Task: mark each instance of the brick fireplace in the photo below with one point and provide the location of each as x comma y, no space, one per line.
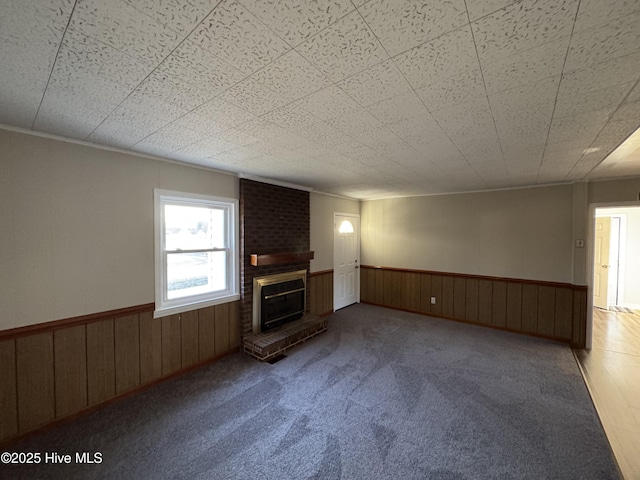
274,241
273,220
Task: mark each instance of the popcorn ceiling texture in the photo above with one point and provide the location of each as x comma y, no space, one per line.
365,99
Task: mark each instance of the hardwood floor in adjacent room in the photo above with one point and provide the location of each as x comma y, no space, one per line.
612,372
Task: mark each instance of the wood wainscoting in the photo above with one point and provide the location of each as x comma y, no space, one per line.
557,311
56,370
321,292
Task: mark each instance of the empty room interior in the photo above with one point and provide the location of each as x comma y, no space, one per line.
320,239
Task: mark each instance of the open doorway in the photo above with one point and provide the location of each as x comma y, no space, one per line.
615,281
616,258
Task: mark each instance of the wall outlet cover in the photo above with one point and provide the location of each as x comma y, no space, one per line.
433,300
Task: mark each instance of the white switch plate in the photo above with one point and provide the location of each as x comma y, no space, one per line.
433,300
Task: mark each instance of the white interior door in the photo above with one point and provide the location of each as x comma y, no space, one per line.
346,264
601,262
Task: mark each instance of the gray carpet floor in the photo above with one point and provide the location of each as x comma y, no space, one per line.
382,395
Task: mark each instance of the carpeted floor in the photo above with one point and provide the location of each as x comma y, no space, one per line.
382,395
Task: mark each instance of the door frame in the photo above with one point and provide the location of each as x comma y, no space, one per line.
335,233
616,234
591,257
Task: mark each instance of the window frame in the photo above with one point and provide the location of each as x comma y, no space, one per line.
165,306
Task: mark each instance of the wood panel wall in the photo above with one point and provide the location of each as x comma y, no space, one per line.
552,310
58,369
321,292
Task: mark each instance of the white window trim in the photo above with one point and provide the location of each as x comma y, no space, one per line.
166,307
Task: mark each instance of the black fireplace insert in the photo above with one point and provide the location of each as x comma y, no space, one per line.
281,303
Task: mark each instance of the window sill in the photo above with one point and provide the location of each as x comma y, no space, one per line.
187,307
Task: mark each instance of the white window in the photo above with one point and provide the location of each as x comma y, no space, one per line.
197,263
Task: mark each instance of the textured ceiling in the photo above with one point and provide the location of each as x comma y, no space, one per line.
365,99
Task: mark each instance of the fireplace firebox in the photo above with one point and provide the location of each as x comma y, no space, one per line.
281,303
278,299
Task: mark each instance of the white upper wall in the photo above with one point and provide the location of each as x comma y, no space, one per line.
77,226
523,233
322,207
615,191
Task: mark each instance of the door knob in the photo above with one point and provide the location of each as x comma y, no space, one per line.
605,266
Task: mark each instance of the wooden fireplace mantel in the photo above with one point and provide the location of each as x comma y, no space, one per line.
280,258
